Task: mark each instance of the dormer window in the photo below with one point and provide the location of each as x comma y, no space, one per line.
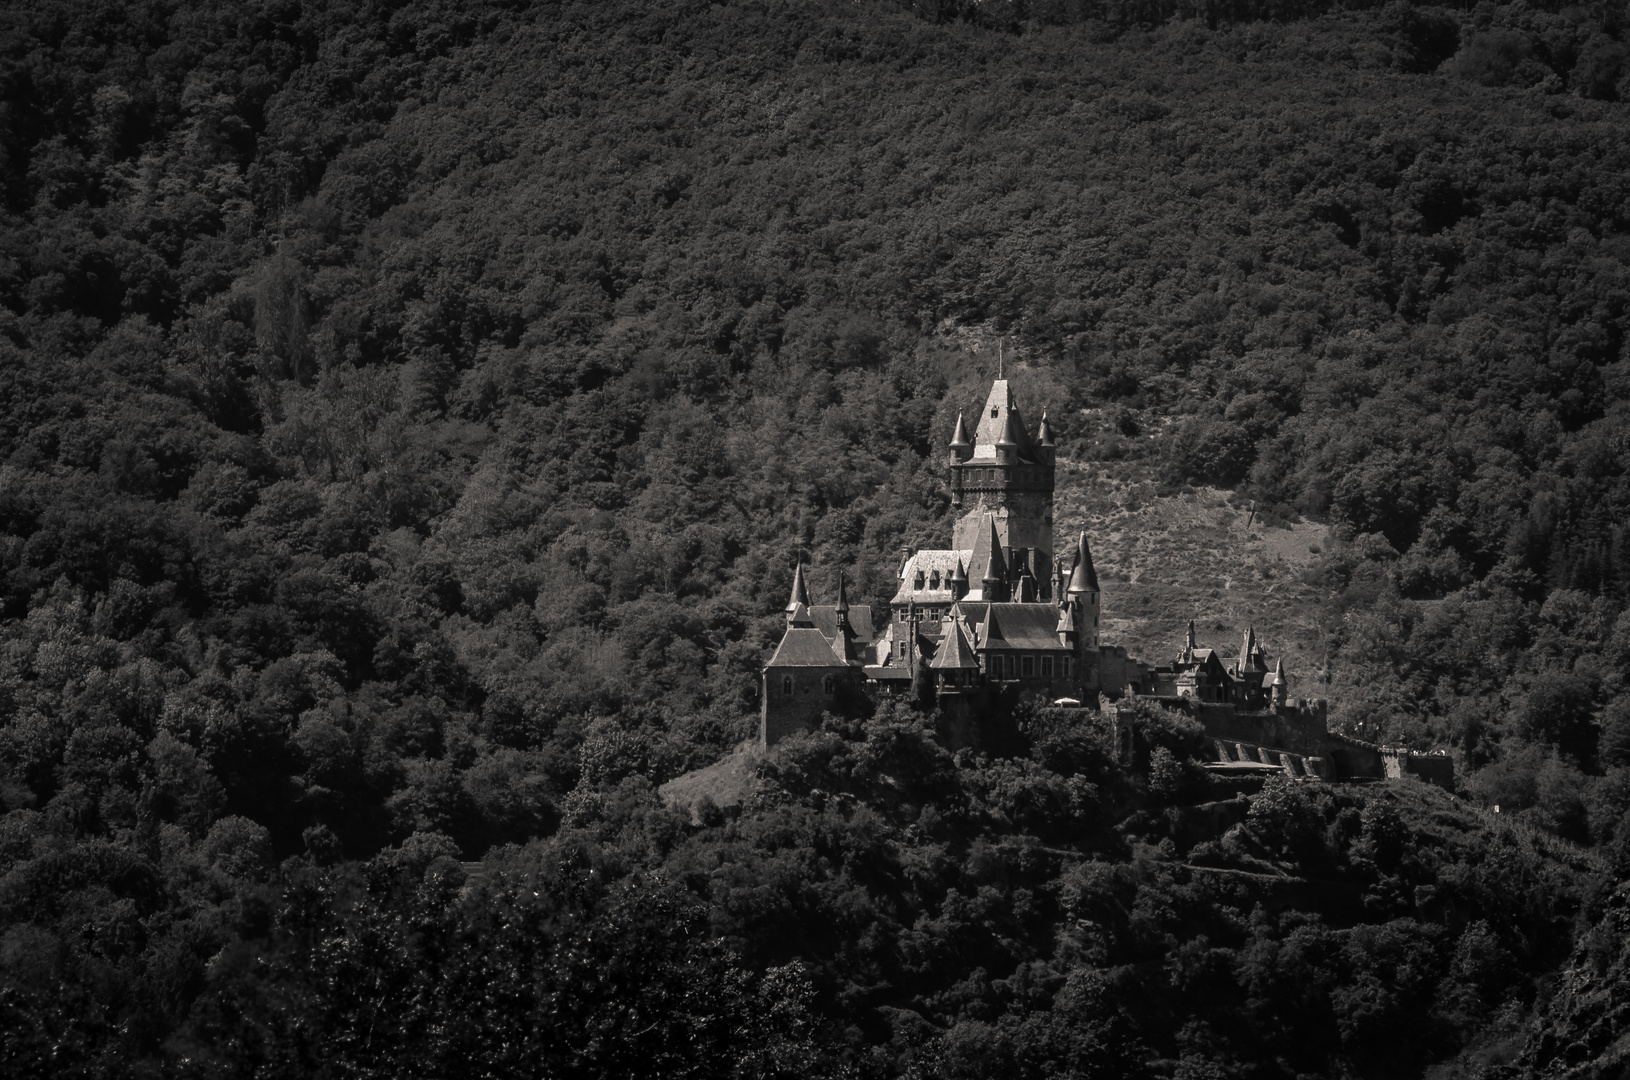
993,414
934,580
918,581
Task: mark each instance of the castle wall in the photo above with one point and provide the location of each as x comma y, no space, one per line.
782,715
1116,671
1436,769
1300,729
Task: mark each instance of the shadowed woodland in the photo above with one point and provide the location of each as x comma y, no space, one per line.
410,415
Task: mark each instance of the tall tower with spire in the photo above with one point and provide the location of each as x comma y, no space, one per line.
1006,473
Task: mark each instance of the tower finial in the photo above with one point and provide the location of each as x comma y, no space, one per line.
999,360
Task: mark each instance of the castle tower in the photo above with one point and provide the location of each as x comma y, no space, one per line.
1002,472
1279,686
1079,612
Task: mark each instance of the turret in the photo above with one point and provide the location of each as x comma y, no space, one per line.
961,445
1044,440
959,581
845,630
1279,686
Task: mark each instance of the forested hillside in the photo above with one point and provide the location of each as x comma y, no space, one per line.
410,415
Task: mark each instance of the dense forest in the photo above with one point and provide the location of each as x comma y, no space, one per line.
410,415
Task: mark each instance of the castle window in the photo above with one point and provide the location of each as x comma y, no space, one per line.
1047,667
786,686
1029,665
826,684
993,414
917,582
934,580
1007,666
1064,667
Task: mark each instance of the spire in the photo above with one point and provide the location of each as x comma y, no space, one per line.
994,572
1084,578
985,562
991,631
959,438
843,598
1044,433
959,580
1247,649
1279,685
800,591
1188,642
1010,437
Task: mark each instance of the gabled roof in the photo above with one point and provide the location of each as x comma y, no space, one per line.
805,647
1022,626
825,619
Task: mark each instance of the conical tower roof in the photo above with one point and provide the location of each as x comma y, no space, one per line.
800,591
1084,578
959,438
1044,433
1278,676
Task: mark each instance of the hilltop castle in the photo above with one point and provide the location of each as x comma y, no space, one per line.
997,615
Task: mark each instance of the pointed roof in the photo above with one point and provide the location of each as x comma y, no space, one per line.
1084,577
805,646
798,615
959,438
1188,642
1044,434
1000,423
1248,650
961,574
955,653
1066,619
842,606
986,559
800,591
1278,676
991,631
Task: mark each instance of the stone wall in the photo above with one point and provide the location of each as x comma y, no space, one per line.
781,715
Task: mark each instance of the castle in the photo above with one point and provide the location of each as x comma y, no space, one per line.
996,615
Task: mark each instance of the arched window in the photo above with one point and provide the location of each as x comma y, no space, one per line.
826,684
786,686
